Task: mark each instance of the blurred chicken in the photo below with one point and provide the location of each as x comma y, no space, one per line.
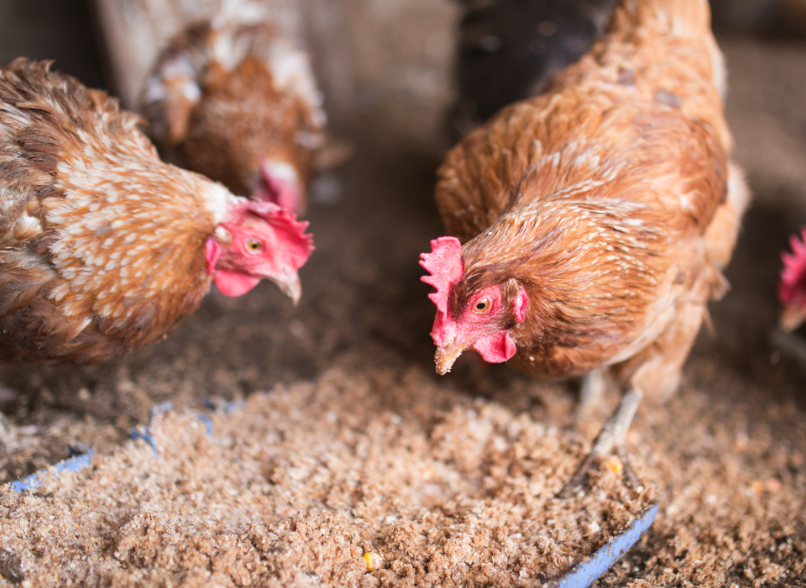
241,105
509,50
595,219
103,247
792,287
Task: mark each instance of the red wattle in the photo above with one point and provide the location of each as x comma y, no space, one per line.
496,348
212,251
234,283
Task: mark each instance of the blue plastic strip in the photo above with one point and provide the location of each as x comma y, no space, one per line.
207,423
147,437
160,408
227,406
72,464
146,434
586,573
232,406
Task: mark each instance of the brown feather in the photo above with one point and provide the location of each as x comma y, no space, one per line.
243,118
600,199
215,94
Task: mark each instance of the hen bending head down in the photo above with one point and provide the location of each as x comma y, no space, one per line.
591,224
241,104
103,247
593,221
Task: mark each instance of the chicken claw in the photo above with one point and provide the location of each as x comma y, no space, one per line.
612,438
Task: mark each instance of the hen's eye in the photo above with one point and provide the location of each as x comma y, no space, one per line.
253,245
482,306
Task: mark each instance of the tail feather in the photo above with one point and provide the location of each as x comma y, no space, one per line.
195,61
176,84
683,18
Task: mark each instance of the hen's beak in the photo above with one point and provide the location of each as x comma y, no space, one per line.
289,284
792,317
446,356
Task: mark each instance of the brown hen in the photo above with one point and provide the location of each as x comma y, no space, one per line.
241,105
103,247
595,220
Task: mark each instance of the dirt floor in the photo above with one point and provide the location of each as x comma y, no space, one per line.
352,464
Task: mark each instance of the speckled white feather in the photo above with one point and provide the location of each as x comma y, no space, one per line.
116,196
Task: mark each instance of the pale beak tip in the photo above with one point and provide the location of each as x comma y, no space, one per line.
445,358
295,295
291,287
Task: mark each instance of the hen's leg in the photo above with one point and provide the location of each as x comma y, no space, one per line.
656,372
591,393
611,439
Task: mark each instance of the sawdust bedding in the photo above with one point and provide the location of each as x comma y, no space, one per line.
370,478
389,477
437,481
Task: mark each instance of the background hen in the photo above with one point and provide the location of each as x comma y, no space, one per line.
103,247
596,218
792,287
241,105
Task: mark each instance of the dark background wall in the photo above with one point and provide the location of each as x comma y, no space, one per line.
51,29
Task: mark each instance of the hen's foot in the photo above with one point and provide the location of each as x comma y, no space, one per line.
611,440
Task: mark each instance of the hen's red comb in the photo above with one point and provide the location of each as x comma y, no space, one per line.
792,276
295,245
444,263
